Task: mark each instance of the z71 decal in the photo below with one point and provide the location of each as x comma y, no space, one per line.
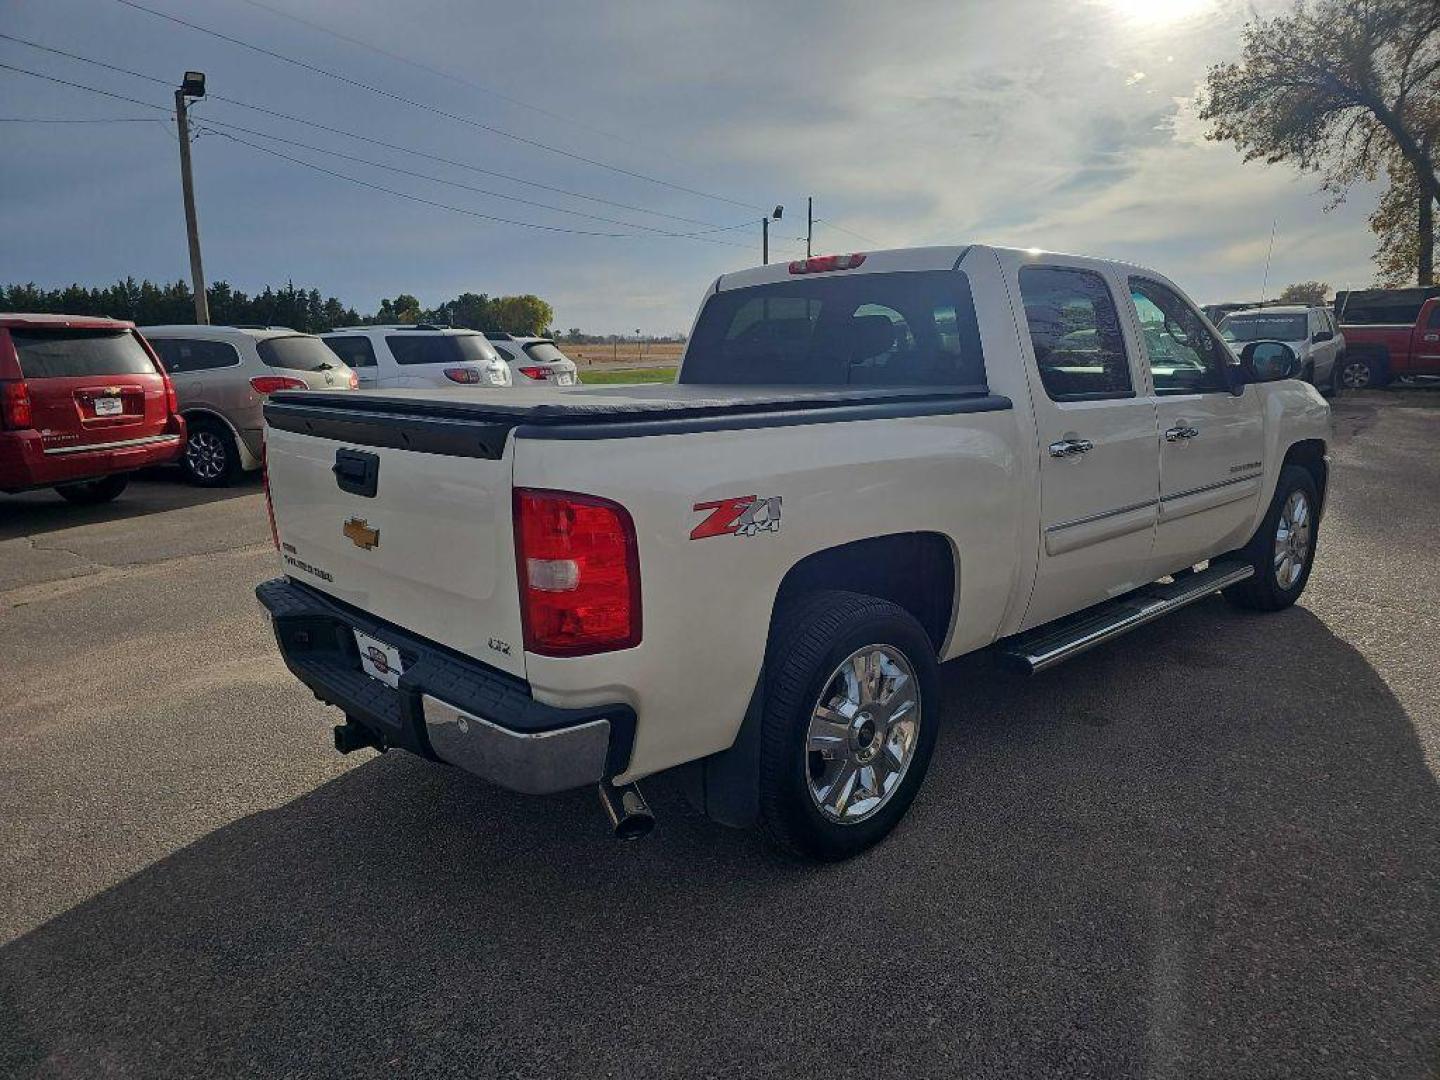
744,515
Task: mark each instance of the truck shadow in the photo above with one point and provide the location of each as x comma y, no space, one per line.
152,491
1210,848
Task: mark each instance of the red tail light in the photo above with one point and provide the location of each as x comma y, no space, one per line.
462,374
823,264
268,384
354,380
15,411
579,573
172,400
534,372
265,483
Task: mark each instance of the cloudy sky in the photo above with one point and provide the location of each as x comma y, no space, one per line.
1062,124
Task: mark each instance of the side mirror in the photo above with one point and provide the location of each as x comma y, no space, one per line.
1322,335
1268,361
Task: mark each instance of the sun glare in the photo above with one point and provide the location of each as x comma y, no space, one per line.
1158,12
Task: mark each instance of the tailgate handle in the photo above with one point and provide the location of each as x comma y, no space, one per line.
357,472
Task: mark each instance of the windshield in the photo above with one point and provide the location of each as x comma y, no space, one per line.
545,352
60,354
899,329
1264,328
423,348
297,353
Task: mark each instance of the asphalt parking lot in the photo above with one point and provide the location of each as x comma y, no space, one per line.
1210,849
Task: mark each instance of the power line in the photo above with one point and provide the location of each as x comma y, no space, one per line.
215,126
78,120
431,108
441,73
330,172
417,198
852,232
167,83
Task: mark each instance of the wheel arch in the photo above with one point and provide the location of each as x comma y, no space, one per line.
1309,454
248,461
919,571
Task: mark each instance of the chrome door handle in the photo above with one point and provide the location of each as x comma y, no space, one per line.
1071,448
1175,434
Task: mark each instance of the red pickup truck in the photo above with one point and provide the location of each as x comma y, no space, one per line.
1389,333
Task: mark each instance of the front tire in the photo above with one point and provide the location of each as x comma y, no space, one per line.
94,492
211,457
850,721
1282,550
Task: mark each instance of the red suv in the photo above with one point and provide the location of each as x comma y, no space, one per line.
83,402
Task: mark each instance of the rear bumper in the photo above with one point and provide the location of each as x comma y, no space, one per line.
448,707
26,463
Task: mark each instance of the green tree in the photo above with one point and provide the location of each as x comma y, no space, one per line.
525,314
407,309
1344,88
1305,292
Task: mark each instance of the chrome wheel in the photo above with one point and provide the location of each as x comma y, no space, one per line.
1355,375
863,733
1292,540
206,455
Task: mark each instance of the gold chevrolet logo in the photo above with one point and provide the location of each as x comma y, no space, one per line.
360,533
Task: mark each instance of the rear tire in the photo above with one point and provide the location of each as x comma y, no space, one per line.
1364,371
94,492
211,457
1282,551
842,756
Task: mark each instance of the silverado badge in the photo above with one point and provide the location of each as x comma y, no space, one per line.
360,533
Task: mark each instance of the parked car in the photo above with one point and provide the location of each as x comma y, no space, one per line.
83,404
537,359
751,575
1216,312
1310,331
222,375
392,357
1389,333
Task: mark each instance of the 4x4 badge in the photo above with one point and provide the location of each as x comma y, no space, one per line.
360,533
744,515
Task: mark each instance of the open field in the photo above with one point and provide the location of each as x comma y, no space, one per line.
628,375
626,352
1204,850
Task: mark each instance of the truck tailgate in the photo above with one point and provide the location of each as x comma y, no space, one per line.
432,548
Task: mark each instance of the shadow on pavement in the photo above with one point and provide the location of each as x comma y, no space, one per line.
153,491
1209,849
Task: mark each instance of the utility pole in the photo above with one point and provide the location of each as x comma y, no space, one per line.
193,86
777,214
809,223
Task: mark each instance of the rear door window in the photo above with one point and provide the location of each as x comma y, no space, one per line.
65,354
897,329
356,352
299,352
1075,332
183,355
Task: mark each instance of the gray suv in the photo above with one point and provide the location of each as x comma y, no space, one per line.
222,375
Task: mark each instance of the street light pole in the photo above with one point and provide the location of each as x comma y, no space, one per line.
809,223
777,214
193,86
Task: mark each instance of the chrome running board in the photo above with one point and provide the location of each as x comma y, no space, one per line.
1048,645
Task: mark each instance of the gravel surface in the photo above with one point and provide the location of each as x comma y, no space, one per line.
1209,849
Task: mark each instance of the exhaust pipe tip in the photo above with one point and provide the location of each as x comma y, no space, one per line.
630,816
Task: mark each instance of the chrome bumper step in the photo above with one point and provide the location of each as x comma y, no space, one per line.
1045,646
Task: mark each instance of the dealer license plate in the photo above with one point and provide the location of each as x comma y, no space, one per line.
378,660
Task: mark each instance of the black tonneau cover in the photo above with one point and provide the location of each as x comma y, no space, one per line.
471,423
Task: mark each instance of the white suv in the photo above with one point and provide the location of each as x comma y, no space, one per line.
535,358
420,355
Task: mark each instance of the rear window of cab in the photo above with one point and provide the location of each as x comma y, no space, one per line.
912,328
68,354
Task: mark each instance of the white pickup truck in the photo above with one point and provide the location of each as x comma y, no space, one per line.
868,464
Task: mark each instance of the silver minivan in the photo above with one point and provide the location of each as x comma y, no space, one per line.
222,375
